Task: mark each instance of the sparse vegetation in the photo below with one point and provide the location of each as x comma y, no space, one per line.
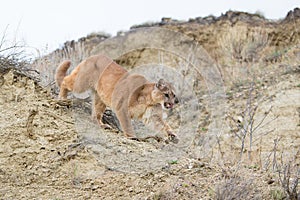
246,126
277,194
256,155
242,44
13,55
11,52
237,188
289,177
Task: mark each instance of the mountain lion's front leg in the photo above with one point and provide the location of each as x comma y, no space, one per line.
155,121
125,122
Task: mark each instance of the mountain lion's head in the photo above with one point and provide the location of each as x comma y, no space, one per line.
164,93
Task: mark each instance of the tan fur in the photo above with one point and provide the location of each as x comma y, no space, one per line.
128,95
61,72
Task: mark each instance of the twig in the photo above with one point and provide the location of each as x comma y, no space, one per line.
145,139
274,151
29,123
266,133
57,117
11,47
265,116
60,102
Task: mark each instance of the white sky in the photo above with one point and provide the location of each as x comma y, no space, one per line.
42,23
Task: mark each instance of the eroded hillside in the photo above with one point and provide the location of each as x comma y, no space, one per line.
238,121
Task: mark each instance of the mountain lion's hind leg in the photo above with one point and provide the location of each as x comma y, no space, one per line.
63,91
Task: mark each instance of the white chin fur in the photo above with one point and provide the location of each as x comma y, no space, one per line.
163,106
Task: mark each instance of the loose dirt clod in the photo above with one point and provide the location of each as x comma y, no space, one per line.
29,123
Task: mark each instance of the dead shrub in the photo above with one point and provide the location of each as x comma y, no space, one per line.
236,188
13,55
289,180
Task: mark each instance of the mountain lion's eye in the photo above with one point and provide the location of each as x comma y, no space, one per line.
167,95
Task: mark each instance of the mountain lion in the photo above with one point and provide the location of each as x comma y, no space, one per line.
128,95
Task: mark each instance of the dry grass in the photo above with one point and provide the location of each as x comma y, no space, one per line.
289,178
11,52
13,55
240,51
237,188
242,44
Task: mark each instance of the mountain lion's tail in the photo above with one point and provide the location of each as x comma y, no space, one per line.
61,71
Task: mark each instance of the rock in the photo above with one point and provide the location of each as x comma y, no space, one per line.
293,15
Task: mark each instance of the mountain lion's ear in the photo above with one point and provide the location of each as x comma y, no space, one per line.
161,84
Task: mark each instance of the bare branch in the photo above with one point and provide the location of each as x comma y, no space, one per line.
262,121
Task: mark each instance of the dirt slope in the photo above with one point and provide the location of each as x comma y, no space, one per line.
51,159
50,149
46,159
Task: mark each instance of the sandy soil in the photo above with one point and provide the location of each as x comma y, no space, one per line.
51,150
